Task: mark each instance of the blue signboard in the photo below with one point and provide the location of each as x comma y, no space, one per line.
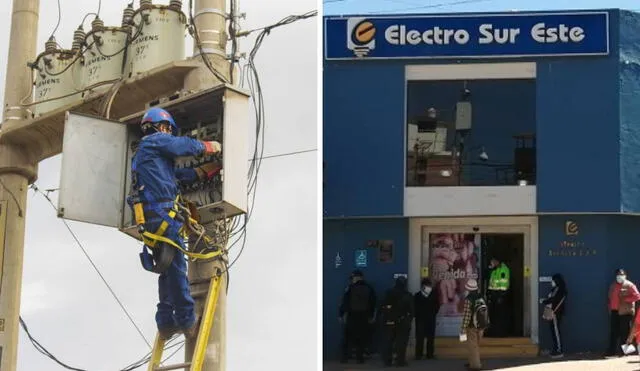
361,258
467,36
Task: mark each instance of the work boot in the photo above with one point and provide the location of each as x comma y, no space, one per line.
166,333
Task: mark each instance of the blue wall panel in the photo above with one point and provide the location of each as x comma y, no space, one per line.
586,278
613,237
344,237
578,136
364,139
630,111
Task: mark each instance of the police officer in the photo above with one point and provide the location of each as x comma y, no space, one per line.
397,313
356,312
155,189
497,296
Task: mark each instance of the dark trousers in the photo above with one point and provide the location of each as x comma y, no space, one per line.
556,334
499,314
396,338
425,330
619,327
355,335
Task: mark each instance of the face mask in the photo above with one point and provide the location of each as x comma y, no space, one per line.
553,283
426,289
620,279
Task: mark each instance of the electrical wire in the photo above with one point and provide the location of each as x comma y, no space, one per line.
430,6
12,196
84,19
59,19
124,309
43,350
99,7
253,82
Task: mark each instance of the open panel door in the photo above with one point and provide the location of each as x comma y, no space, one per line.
93,170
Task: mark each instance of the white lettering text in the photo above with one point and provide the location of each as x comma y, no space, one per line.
500,35
540,33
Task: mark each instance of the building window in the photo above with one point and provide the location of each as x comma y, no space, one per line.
471,133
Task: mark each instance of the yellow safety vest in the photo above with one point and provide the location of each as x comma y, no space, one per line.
499,280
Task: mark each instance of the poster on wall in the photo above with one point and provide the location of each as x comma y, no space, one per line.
385,249
453,259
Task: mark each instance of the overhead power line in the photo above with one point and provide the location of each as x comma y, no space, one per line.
44,350
430,6
84,251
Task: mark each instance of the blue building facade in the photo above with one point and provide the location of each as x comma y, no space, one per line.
549,152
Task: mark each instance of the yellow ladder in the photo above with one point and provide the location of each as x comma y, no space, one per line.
203,335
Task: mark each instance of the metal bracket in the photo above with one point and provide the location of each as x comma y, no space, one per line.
211,11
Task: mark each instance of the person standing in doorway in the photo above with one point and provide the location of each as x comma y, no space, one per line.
497,295
554,312
475,320
427,305
397,312
356,313
622,296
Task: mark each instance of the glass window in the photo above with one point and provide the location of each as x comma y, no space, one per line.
471,133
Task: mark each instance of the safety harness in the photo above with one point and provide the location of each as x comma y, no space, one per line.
161,245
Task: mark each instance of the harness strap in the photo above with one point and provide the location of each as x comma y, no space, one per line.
150,239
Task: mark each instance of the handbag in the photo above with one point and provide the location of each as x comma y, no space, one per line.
549,314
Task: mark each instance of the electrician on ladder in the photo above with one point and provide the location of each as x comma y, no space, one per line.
154,202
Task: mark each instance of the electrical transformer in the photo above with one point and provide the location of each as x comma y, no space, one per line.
158,37
104,56
57,82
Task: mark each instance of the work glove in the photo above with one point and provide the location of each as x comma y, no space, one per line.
208,170
211,147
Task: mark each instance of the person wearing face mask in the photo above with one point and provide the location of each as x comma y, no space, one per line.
427,305
357,311
555,302
623,295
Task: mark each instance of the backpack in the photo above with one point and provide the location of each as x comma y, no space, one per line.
359,298
480,319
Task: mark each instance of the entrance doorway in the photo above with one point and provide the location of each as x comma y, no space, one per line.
509,249
450,257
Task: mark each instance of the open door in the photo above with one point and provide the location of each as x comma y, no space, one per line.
93,171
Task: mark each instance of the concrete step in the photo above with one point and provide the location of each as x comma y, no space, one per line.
452,348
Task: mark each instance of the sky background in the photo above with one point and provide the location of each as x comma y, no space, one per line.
272,296
337,7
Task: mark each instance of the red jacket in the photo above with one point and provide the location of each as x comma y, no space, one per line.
614,294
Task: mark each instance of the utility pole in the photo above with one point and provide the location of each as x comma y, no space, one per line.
210,21
18,168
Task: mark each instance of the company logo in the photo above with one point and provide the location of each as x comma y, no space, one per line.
571,228
361,34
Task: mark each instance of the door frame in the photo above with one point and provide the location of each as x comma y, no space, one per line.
527,225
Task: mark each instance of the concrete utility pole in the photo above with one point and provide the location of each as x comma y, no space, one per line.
209,18
18,168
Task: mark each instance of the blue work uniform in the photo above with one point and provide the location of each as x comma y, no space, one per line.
156,180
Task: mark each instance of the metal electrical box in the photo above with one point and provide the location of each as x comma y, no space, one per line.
96,159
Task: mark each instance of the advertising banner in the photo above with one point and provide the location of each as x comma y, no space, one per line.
453,259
